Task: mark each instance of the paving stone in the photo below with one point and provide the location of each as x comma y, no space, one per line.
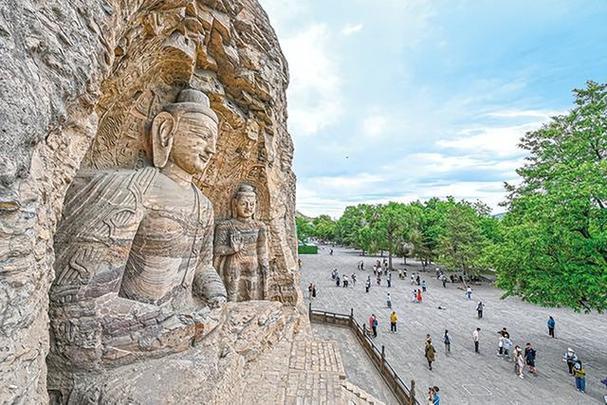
463,376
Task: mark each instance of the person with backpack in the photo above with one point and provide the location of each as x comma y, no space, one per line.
570,358
530,355
447,341
430,353
551,324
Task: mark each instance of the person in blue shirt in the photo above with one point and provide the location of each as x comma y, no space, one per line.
435,398
551,324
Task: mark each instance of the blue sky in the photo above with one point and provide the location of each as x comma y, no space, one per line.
408,99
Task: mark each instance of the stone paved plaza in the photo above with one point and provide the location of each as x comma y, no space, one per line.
463,377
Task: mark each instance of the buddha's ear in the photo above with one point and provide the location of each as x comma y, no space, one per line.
163,130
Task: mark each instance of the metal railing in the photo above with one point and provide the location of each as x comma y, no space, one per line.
404,395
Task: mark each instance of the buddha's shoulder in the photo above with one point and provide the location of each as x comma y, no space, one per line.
127,178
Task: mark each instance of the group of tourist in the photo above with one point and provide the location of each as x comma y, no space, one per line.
524,358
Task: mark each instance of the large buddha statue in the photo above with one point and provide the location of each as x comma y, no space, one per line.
134,273
241,252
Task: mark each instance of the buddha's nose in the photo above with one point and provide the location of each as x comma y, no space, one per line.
210,148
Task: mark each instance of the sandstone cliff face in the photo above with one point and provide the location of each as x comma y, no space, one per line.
79,81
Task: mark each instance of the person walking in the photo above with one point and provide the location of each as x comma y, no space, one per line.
389,301
353,280
479,309
551,324
430,353
412,279
417,280
414,296
419,296
367,285
337,279
469,293
389,280
447,341
570,358
519,362
444,280
424,285
310,291
530,354
502,334
313,290
378,279
476,338
507,347
345,281
435,396
393,320
373,323
580,376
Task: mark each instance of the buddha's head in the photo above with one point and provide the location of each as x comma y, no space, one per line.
185,132
244,202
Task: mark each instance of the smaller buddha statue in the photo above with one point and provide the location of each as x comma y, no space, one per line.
240,249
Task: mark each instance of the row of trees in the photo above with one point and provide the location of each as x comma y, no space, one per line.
551,245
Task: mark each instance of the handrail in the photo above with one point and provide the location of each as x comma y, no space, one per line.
402,393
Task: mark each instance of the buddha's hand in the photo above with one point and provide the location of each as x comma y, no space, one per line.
236,241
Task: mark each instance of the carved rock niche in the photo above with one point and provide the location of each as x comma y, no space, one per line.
221,49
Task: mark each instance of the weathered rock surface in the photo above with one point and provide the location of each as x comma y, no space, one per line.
79,82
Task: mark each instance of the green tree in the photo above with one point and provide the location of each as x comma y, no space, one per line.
304,226
553,247
462,242
391,225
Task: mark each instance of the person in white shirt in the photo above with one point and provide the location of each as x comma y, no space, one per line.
475,338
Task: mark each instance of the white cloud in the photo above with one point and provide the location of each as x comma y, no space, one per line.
350,29
540,114
499,141
315,99
374,125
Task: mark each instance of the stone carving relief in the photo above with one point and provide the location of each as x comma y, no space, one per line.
241,249
134,249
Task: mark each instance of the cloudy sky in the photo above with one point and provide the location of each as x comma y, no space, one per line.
408,99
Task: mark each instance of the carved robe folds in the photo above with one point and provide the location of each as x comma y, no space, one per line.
241,258
134,275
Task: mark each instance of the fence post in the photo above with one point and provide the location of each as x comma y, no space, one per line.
310,311
383,357
412,398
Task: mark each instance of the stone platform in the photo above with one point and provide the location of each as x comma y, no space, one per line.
305,371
